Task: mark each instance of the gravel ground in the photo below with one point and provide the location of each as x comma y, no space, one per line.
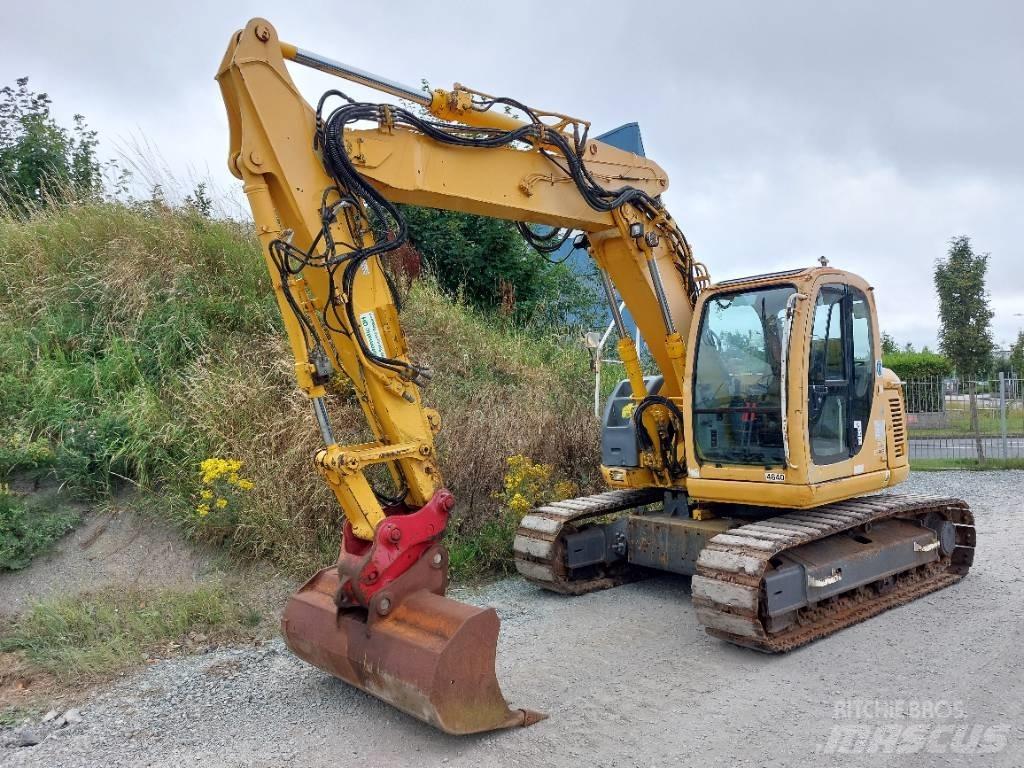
628,678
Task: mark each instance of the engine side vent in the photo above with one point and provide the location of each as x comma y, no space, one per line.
899,430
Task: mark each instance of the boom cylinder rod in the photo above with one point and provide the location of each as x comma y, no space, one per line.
613,304
659,292
321,418
356,75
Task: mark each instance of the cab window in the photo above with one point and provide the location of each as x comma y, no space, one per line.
738,377
841,373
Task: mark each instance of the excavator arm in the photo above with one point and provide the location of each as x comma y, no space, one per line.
322,184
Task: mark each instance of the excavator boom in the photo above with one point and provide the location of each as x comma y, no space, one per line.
322,190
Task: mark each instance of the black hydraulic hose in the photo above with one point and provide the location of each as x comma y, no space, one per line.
385,221
673,434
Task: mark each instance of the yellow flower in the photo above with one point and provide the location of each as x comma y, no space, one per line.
221,503
245,485
210,469
565,489
519,504
206,494
213,468
528,484
203,510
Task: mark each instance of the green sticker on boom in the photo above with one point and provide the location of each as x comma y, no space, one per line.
368,322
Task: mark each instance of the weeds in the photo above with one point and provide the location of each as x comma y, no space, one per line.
29,528
15,715
528,484
23,454
487,549
215,517
91,637
140,340
103,305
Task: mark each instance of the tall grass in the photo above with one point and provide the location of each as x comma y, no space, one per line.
138,340
83,638
103,306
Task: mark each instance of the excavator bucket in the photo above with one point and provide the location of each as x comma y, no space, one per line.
430,656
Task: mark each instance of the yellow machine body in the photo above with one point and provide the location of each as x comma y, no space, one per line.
640,253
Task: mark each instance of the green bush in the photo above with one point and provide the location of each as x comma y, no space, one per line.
910,366
923,372
28,529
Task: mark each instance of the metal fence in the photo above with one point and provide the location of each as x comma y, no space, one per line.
946,422
966,448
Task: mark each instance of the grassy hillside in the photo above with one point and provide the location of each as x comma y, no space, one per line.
139,341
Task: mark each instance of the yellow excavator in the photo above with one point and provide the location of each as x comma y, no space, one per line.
751,461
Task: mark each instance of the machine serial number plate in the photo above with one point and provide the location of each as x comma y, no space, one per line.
775,477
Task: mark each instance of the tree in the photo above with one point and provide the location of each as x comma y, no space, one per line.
488,262
1016,358
37,154
965,317
889,345
965,334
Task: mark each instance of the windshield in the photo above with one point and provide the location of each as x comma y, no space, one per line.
737,401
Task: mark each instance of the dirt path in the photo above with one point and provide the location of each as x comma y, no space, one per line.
629,679
117,547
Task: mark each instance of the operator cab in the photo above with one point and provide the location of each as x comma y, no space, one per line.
738,374
787,397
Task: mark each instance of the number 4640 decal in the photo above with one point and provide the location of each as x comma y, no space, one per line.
775,477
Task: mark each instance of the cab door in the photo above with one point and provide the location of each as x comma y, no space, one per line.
840,373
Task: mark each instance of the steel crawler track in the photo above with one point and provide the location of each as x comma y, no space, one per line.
539,547
729,589
729,593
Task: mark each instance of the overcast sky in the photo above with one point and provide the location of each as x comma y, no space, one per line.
868,132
